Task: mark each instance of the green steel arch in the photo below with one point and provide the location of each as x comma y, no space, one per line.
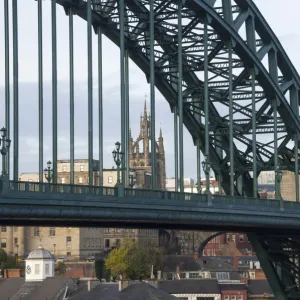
242,24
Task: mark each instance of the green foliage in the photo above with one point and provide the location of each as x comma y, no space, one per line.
3,257
60,268
11,262
132,261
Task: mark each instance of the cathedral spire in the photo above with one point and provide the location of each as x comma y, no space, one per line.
160,133
145,106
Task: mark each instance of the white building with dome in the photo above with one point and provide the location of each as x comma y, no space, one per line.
40,264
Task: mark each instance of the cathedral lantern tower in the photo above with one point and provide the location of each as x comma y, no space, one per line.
140,154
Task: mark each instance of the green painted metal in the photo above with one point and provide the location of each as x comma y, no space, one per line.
41,96
175,112
198,147
72,111
254,134
180,100
152,97
90,91
16,89
54,91
206,104
122,84
7,80
268,267
231,143
127,118
100,105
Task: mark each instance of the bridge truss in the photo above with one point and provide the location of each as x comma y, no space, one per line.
226,77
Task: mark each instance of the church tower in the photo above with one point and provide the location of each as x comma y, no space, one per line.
140,154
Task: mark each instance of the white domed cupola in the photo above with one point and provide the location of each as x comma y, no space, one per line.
40,264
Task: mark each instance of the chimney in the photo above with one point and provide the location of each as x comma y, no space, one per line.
196,256
236,262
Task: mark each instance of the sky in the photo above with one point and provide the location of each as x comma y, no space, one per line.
282,16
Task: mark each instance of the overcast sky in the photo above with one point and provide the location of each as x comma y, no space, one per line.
281,15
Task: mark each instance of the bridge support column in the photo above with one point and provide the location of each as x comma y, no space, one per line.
4,181
268,267
180,98
152,98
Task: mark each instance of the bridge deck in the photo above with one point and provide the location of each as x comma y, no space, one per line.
30,203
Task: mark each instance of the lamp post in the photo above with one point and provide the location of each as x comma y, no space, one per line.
17,255
278,176
48,171
118,157
206,169
5,142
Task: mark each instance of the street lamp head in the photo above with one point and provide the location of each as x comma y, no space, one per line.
3,132
114,153
203,165
118,145
7,142
45,170
49,164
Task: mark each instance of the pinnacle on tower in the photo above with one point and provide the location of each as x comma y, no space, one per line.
160,133
145,107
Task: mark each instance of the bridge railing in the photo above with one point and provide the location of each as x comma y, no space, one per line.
167,195
44,187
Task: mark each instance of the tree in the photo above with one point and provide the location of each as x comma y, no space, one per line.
3,257
132,261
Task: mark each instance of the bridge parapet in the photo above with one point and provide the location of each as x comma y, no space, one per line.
38,189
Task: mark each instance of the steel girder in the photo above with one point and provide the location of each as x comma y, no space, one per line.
279,257
282,84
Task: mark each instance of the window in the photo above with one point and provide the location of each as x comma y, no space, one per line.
240,297
194,275
36,231
226,297
208,252
68,254
47,269
36,269
64,168
106,230
16,241
3,229
110,179
118,242
223,276
69,241
233,237
81,168
118,230
228,238
52,231
80,180
241,238
63,180
233,298
3,243
107,243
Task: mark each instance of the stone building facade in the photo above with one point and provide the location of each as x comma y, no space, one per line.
140,155
288,186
